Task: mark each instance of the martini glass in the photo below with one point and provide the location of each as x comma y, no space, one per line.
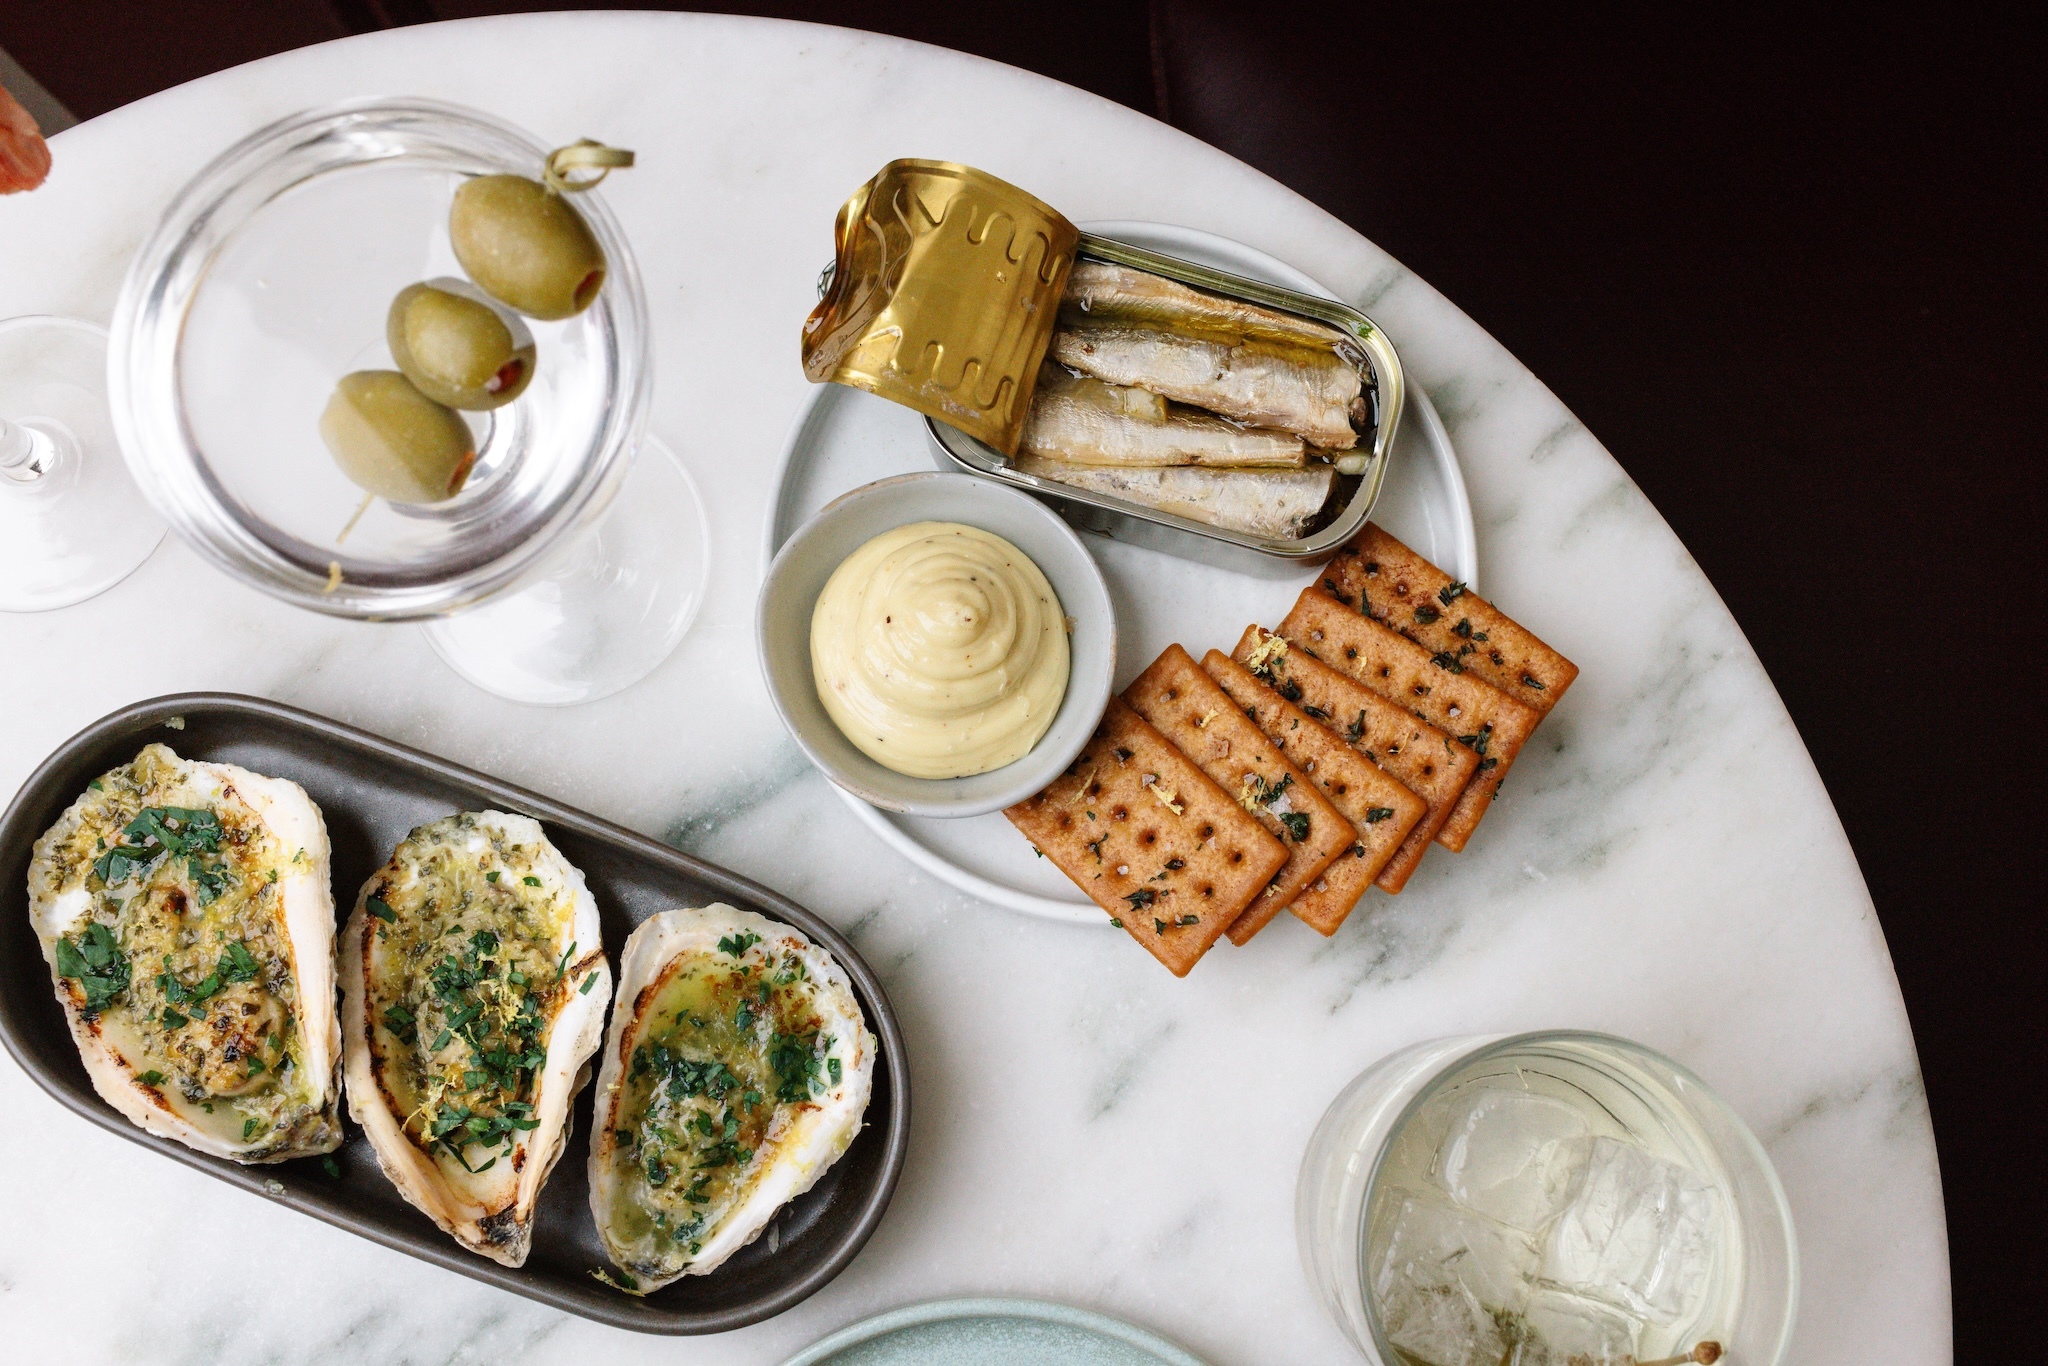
72,523
574,557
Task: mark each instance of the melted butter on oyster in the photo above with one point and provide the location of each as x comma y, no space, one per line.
474,985
736,1072
185,913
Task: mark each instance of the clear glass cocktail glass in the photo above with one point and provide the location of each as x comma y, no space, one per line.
574,557
72,523
1375,1209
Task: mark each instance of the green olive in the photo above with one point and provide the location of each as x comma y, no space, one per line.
395,442
457,350
526,246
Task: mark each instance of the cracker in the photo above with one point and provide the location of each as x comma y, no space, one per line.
1420,757
1141,830
1187,707
1432,685
1393,585
1380,809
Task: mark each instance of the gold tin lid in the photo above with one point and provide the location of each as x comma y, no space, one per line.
944,293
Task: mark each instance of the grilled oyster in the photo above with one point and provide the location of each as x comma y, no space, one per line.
474,986
185,913
736,1071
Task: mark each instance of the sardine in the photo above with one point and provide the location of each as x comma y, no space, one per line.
1103,295
1306,392
1089,422
1277,503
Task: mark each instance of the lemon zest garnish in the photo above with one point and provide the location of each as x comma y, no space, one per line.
1265,652
1166,796
1206,717
1081,792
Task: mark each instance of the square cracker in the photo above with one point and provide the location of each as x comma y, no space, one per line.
1395,586
1378,807
1432,685
1187,707
1414,753
1141,830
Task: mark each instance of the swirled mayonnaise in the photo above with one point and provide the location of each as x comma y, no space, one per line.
940,650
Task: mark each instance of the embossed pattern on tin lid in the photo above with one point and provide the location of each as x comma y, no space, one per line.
943,296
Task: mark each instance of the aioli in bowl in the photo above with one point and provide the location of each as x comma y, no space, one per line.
940,650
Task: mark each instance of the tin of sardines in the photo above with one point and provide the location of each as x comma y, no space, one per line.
1202,414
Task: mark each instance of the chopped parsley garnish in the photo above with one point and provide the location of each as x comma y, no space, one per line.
796,1062
1290,690
1426,614
530,880
1531,681
1356,730
1447,662
492,876
237,964
249,1127
1450,593
1374,815
1141,898
1189,920
159,830
378,907
94,960
737,944
150,1078
172,1019
1296,823
1479,739
331,1167
1315,711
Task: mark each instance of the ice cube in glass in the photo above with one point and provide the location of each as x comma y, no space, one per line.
1509,1155
1636,1232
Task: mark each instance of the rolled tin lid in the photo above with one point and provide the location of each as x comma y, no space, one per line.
943,295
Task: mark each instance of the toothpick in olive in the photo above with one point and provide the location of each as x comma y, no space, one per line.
457,347
394,442
522,241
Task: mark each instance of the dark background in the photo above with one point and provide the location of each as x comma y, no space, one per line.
1789,271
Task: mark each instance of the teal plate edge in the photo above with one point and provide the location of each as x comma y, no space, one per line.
822,1352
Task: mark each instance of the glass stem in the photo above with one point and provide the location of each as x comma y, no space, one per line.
28,451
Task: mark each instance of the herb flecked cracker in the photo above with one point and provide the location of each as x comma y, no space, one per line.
1460,704
1185,705
1380,809
1420,757
1392,584
1150,839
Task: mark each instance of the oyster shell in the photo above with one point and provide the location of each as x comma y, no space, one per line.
474,985
185,913
736,1072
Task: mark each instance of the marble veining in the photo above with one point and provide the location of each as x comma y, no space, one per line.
1664,862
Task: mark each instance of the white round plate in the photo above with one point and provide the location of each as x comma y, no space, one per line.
843,438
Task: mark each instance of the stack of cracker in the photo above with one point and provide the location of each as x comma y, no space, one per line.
1309,763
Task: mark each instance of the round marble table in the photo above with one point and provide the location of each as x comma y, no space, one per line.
1666,864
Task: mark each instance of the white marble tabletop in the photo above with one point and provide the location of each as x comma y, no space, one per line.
1666,865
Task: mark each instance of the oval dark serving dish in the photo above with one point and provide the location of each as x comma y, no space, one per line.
372,792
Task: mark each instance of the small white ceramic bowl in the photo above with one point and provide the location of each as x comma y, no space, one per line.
782,635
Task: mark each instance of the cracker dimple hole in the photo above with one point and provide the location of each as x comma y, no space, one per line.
1386,672
1149,837
1208,891
1095,789
1120,813
1236,856
1173,694
1428,769
1340,789
1351,652
1066,821
1207,831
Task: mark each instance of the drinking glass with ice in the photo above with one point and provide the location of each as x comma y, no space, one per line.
1553,1199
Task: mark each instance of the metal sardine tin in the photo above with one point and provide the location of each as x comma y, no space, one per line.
943,296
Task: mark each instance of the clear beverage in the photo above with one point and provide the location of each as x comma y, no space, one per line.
1544,1200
